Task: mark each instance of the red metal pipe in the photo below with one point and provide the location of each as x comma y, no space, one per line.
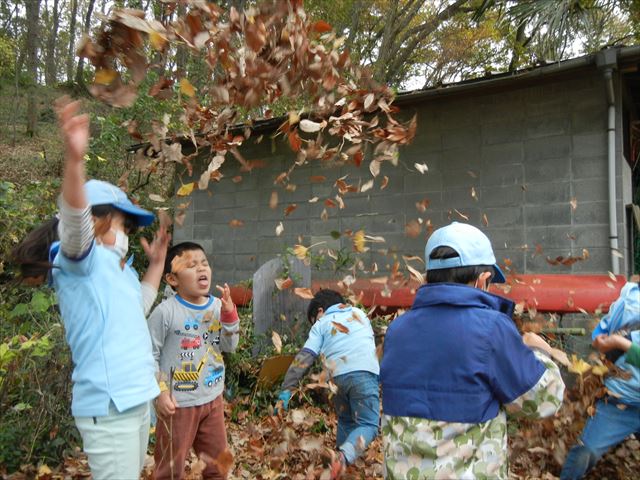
543,293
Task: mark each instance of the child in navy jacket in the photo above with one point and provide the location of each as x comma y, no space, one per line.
454,365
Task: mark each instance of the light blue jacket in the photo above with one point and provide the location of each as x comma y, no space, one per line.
101,306
624,314
345,337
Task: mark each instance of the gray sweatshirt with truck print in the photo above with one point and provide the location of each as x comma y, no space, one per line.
187,343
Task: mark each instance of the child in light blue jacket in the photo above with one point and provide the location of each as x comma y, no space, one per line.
618,414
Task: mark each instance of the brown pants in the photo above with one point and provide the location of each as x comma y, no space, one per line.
201,427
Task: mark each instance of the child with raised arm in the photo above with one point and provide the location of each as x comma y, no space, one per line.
189,330
102,304
343,335
455,365
618,413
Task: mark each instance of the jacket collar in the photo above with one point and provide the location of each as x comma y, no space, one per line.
436,294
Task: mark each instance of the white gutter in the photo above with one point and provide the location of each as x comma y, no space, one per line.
607,59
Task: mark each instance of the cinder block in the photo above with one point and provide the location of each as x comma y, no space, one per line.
549,237
386,204
547,125
588,120
503,131
546,148
592,189
544,170
502,154
202,231
246,261
553,214
223,262
245,246
502,195
456,138
459,159
599,261
589,213
416,182
545,193
502,175
510,238
461,178
590,144
589,167
459,198
318,227
591,236
504,216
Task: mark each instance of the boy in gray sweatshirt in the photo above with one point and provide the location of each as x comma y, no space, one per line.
189,331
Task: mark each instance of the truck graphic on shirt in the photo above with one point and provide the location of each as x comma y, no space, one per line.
214,376
186,378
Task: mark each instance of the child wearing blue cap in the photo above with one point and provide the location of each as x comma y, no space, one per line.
343,335
454,365
618,413
102,304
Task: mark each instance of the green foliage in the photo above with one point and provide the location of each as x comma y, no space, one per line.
7,57
35,367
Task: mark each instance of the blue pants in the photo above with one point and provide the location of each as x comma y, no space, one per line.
608,427
357,405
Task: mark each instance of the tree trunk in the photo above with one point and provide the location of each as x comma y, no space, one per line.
50,68
181,50
87,26
32,8
72,39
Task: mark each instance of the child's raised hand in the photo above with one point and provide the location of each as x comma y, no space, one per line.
74,127
166,404
227,302
605,343
156,251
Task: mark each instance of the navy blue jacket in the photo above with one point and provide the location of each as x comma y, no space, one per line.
455,356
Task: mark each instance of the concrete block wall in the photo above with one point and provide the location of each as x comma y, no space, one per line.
525,153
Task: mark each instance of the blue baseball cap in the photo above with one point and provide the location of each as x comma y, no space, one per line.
473,247
103,193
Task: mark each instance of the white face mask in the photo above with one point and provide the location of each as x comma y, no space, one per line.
121,247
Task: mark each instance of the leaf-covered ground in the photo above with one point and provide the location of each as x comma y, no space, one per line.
297,445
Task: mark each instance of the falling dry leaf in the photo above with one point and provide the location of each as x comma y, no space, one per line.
156,198
235,223
277,341
186,88
289,209
341,328
412,229
279,229
300,251
283,283
384,183
305,293
359,241
186,189
273,200
421,167
574,203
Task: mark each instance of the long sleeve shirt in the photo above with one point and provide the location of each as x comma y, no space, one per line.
187,343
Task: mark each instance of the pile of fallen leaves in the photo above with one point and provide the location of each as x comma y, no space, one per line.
254,57
297,445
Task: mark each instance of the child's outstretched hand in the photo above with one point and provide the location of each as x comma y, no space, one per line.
605,343
156,251
227,302
74,127
166,404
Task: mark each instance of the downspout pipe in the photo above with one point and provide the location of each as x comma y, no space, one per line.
607,61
